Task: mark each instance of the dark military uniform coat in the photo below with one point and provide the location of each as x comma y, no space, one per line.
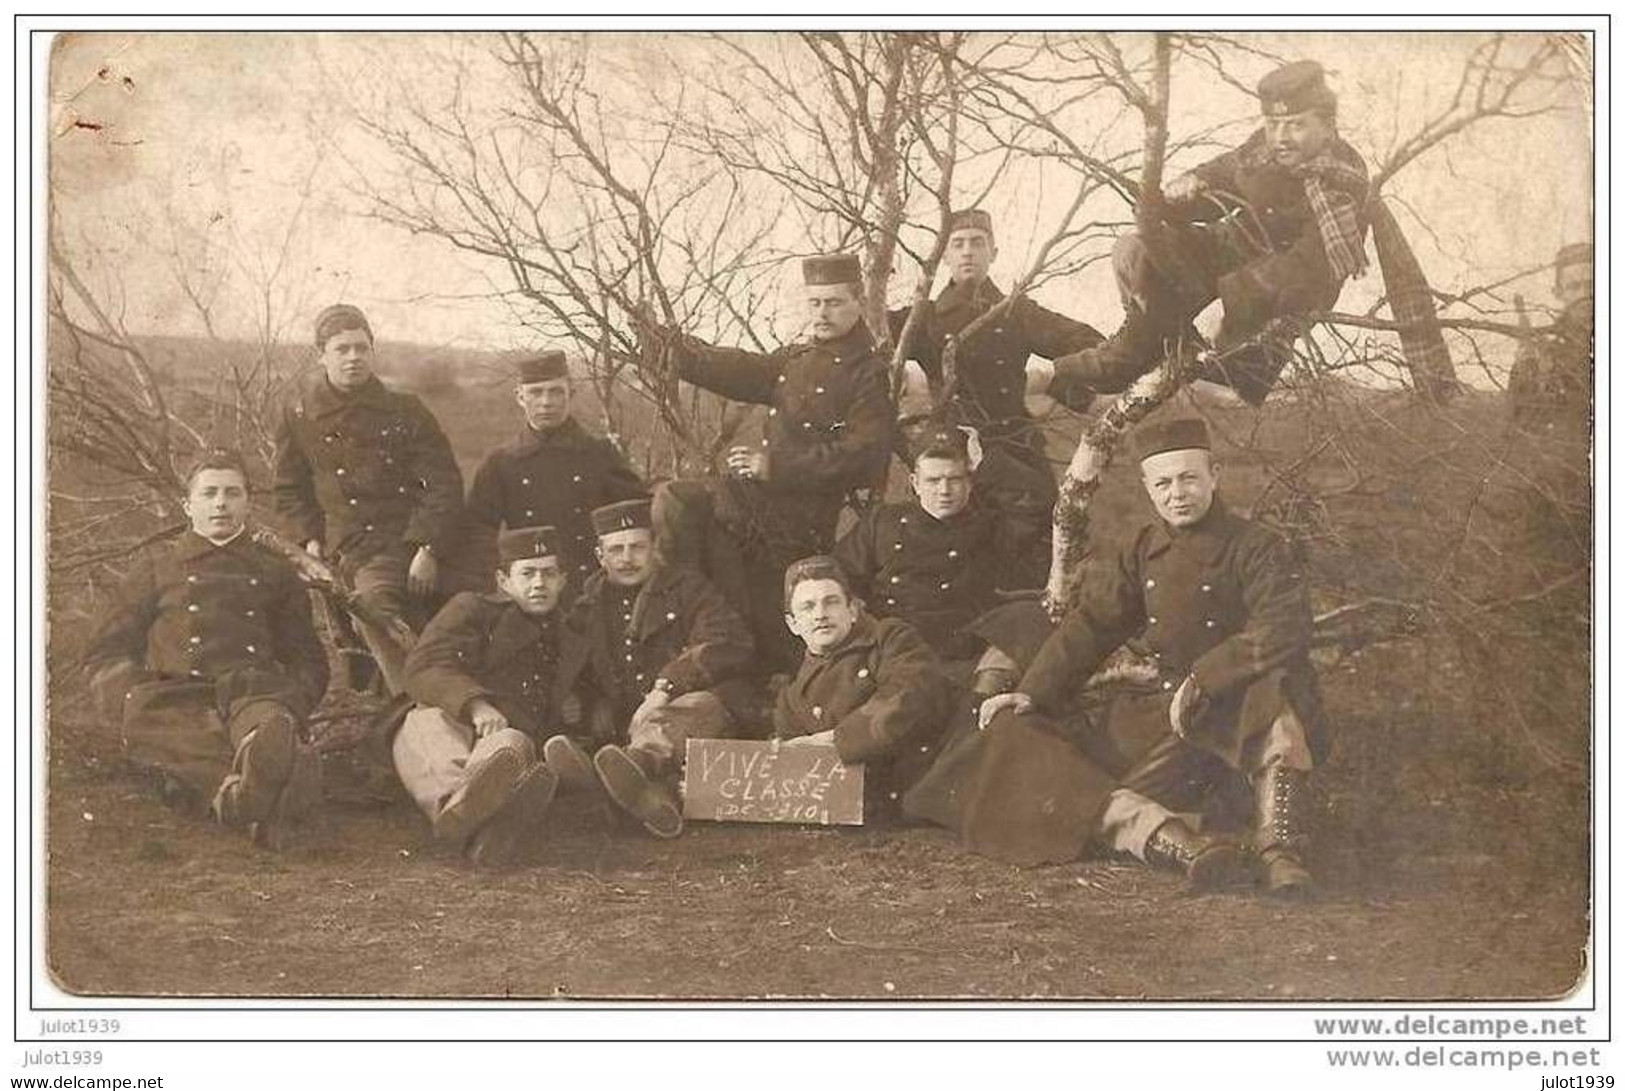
365,473
885,695
1550,385
1223,602
198,629
554,478
674,626
992,364
484,646
939,575
829,424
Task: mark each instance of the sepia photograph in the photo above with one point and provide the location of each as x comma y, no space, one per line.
911,515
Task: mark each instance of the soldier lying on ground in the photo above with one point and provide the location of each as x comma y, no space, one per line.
1223,607
828,434
1271,229
1015,475
939,561
554,473
662,658
210,663
873,688
486,678
365,476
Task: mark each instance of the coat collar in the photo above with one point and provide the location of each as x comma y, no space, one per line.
852,345
322,397
647,608
1206,539
192,546
568,434
979,298
515,630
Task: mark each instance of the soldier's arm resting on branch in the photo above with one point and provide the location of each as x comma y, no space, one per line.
853,454
1049,334
912,696
733,373
1279,619
293,488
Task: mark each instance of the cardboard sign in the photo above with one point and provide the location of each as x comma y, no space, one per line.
742,780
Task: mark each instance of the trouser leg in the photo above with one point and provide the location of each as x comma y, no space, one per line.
1279,767
660,734
174,729
380,586
1129,820
431,751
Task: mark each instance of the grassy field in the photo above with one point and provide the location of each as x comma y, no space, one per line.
1453,849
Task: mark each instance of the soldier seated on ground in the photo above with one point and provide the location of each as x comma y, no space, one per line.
486,678
553,473
872,688
366,478
1222,604
828,434
209,662
1271,229
662,658
939,561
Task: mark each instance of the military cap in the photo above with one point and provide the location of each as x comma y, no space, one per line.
338,318
942,441
527,544
542,367
216,458
622,515
1295,88
817,567
831,269
1175,434
1575,253
967,219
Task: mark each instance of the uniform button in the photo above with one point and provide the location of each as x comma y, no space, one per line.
339,472
1167,685
400,488
891,602
998,329
369,526
903,519
863,672
524,481
195,673
806,424
352,501
925,750
898,545
818,390
1151,621
195,640
818,712
670,616
953,554
251,648
191,579
629,658
529,513
1207,587
837,359
897,579
253,581
891,795
1150,583
248,613
192,607
1210,623
945,585
576,479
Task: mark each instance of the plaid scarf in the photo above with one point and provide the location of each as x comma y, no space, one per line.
1409,296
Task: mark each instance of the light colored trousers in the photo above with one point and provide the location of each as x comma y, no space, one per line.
1130,819
661,732
434,755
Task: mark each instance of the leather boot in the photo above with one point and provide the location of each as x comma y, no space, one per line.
1281,802
633,780
1208,863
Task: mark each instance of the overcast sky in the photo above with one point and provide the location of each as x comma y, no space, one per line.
225,123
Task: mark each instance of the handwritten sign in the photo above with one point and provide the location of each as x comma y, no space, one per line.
742,780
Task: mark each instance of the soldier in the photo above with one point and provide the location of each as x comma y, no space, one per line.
991,392
210,660
664,658
938,562
1222,605
1271,229
872,688
365,476
828,434
486,678
554,472
1551,378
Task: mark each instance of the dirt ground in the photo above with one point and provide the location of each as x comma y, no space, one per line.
1437,885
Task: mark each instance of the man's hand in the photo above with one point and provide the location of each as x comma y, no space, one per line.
1018,701
1187,187
1182,711
746,463
654,699
314,547
485,718
815,737
423,574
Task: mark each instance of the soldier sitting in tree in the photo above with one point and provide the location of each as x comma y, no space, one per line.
553,473
365,476
486,676
828,434
1015,476
1222,605
662,658
1271,229
210,663
938,562
873,688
